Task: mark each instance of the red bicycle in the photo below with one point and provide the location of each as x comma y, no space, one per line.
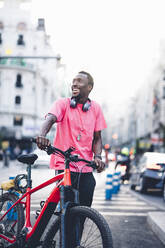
73,226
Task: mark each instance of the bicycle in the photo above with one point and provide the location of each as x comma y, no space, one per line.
74,226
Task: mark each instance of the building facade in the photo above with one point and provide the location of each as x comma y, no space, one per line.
27,85
142,124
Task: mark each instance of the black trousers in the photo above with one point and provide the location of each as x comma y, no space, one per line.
86,186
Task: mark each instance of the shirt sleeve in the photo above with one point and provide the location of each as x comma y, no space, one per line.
100,121
58,109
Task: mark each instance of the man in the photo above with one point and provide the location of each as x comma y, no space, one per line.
79,124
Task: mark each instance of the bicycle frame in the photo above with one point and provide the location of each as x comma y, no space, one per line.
34,233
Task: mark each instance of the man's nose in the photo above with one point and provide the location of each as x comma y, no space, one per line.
74,84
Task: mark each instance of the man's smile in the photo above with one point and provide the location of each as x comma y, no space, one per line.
75,91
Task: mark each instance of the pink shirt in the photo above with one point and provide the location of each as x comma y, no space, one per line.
72,123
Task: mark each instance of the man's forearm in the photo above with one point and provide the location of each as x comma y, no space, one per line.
50,120
97,147
97,144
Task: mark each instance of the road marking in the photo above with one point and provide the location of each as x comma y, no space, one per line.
125,207
115,199
121,214
111,202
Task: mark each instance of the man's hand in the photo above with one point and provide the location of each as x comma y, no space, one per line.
100,164
42,142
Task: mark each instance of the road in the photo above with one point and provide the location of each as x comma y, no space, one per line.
127,217
126,213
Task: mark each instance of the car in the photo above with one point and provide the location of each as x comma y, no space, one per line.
43,159
163,187
163,181
147,174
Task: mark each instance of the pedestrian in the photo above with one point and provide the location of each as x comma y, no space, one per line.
6,153
79,124
17,151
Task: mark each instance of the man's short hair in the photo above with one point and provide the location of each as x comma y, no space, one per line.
90,78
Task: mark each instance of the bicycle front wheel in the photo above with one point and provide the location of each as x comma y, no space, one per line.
94,230
12,223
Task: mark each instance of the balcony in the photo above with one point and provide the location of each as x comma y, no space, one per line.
16,63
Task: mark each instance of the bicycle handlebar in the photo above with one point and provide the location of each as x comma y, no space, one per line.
67,154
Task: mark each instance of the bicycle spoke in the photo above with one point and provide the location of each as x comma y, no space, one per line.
91,236
92,241
88,245
91,233
89,230
98,245
11,224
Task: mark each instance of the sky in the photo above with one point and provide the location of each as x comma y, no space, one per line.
117,41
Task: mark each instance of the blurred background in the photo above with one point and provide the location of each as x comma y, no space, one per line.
43,44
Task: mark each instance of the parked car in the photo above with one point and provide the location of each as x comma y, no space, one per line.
163,181
43,159
147,174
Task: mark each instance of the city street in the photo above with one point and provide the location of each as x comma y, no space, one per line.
127,217
126,213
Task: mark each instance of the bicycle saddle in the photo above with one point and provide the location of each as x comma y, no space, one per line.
27,159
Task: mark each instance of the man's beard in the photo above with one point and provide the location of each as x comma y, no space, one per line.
77,98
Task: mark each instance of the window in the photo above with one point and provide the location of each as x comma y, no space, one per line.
19,81
41,24
20,40
1,25
21,26
17,100
18,121
163,92
0,38
0,78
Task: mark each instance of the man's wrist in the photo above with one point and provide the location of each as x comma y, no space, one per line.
97,156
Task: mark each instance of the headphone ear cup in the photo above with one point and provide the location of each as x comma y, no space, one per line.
86,106
73,103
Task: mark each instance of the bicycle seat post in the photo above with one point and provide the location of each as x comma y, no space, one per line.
29,181
28,198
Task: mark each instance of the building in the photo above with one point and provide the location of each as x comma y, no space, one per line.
26,84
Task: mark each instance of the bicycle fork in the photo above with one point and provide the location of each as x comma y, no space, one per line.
69,198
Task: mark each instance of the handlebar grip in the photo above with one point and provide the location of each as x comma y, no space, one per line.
93,165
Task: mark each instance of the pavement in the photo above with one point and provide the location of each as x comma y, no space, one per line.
155,219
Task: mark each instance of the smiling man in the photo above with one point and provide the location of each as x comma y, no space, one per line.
79,124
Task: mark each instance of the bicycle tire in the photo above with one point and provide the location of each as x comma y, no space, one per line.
97,221
13,222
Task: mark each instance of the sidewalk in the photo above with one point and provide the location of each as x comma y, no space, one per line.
12,170
156,220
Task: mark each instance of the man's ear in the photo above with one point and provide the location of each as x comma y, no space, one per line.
90,87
